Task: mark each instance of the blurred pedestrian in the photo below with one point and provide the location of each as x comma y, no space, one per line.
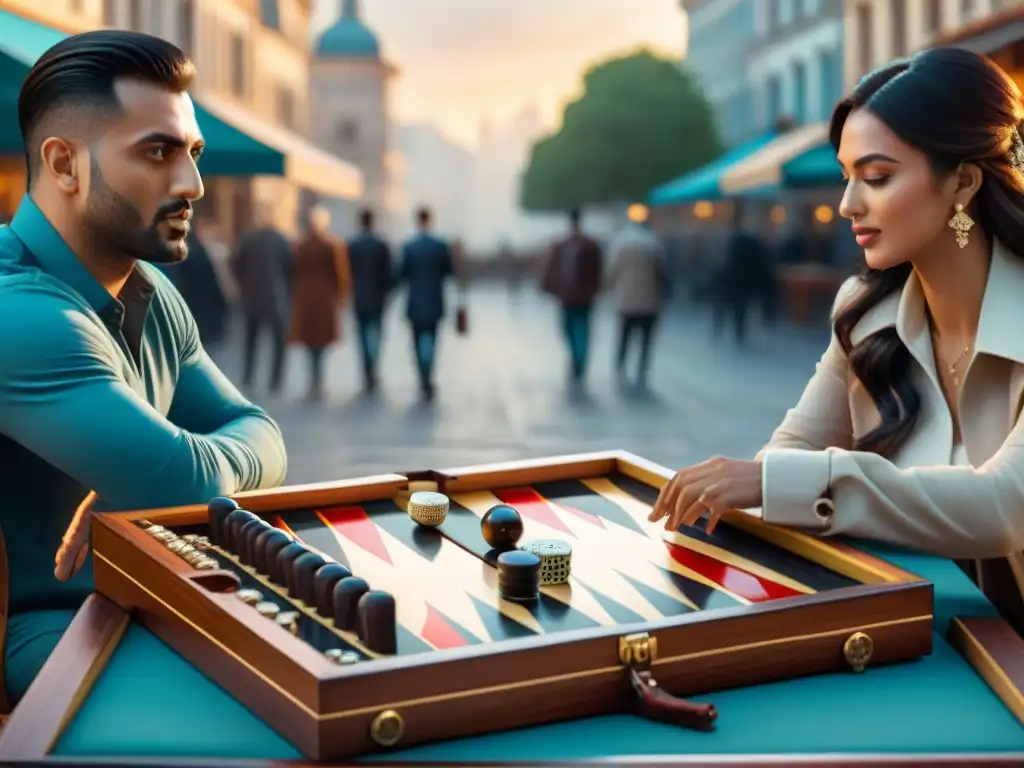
372,280
739,280
321,284
262,266
196,280
426,265
639,284
572,274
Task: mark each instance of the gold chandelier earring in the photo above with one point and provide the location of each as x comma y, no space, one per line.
961,223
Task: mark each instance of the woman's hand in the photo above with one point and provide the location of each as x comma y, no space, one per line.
715,486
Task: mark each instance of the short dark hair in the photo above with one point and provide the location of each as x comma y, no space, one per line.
366,218
81,71
574,217
423,215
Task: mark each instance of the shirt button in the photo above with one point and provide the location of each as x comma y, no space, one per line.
824,508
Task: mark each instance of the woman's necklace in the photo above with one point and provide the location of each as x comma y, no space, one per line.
952,367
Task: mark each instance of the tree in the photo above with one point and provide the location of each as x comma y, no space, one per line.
641,121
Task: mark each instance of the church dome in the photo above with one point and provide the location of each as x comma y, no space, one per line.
348,37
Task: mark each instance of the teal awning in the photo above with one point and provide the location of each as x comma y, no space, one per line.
229,150
703,183
817,167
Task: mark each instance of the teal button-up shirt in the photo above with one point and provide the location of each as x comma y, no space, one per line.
114,395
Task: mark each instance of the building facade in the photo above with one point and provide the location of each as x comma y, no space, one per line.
878,31
351,115
720,34
795,64
252,65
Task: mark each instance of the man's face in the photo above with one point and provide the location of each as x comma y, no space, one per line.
143,176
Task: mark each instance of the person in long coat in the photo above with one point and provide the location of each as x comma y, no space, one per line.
322,281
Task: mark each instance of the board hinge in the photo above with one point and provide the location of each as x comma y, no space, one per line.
638,651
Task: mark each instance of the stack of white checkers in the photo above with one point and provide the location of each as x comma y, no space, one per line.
555,559
428,507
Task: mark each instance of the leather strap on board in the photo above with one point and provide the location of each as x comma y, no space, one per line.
5,583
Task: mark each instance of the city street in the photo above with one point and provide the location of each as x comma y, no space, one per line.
502,394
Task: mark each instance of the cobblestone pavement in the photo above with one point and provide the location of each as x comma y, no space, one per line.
502,394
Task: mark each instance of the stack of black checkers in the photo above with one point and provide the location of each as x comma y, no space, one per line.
518,575
555,559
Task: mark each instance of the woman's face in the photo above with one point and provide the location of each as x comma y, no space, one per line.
897,206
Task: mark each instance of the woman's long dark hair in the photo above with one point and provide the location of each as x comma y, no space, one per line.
956,107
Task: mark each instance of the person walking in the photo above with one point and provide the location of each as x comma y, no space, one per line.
426,265
321,286
572,274
372,280
262,266
638,281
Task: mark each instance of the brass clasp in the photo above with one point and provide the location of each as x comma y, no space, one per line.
638,651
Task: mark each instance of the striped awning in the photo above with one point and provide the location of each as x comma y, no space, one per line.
705,183
764,167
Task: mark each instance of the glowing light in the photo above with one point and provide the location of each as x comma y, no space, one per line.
703,210
637,213
824,214
778,214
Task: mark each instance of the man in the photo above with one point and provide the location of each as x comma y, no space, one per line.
372,276
572,275
743,273
639,283
426,264
107,398
262,267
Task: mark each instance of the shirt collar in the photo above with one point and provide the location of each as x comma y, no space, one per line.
998,324
49,249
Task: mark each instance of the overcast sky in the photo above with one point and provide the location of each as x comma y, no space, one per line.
463,60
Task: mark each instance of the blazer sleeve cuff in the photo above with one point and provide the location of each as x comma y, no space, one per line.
794,486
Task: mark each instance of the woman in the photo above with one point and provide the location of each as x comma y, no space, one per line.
321,284
910,432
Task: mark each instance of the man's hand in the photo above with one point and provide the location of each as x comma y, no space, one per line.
75,546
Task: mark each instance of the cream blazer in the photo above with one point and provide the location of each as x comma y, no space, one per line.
914,499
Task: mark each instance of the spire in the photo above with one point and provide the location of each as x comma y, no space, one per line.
350,9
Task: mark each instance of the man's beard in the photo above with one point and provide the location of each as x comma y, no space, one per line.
117,226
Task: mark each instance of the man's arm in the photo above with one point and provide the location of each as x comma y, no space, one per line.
62,398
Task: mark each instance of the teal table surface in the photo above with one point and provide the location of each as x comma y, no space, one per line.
149,702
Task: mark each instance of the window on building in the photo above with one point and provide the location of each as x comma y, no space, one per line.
865,38
831,78
135,14
967,8
238,64
898,27
933,16
347,132
187,25
773,101
772,17
109,13
77,6
286,106
800,92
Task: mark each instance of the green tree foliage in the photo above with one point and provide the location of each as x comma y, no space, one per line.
642,121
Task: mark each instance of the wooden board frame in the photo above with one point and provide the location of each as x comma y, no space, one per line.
231,648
